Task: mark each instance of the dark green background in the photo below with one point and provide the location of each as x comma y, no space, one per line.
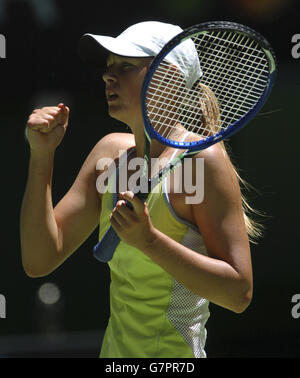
42,68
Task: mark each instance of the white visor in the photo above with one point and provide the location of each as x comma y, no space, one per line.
145,39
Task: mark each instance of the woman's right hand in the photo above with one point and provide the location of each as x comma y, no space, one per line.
46,128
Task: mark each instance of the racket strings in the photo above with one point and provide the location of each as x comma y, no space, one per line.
231,84
235,74
168,117
157,90
167,107
242,87
225,84
240,91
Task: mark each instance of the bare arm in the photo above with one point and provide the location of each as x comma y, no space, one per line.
49,236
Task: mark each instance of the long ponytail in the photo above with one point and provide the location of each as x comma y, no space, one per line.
211,120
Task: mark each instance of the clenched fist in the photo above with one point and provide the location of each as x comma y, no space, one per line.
46,128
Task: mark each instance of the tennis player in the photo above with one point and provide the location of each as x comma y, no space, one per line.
174,257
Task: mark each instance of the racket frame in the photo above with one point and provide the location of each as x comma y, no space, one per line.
188,33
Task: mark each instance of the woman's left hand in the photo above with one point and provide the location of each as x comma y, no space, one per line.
133,226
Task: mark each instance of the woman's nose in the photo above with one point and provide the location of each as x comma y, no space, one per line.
109,77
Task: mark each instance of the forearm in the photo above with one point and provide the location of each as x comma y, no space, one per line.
39,232
210,278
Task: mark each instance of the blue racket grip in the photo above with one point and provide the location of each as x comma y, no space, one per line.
105,249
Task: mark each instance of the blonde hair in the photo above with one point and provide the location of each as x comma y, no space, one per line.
211,121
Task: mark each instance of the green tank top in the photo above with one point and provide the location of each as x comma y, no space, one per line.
151,314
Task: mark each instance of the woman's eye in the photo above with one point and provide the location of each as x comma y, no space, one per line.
124,66
127,65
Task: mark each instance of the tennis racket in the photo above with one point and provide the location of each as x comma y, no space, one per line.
238,70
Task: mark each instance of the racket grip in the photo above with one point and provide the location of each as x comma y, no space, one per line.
105,249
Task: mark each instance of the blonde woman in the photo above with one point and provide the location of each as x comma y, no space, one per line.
174,258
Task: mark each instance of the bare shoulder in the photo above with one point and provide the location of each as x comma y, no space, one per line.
215,186
217,163
107,147
203,185
214,153
111,144
222,194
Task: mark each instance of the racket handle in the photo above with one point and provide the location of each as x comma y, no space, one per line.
105,249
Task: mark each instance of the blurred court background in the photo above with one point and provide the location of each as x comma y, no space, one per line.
65,313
